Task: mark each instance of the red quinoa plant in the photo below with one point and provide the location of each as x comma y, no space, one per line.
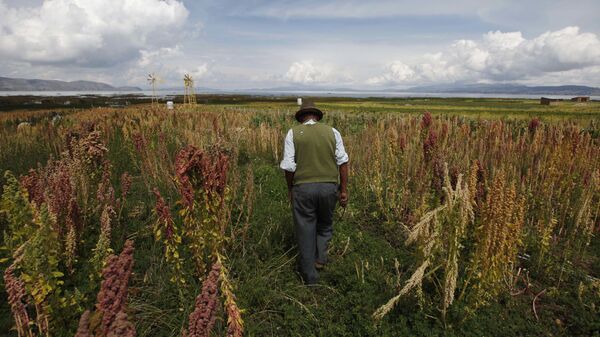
201,179
110,318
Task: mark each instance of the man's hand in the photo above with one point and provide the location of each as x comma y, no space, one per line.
289,178
344,198
344,185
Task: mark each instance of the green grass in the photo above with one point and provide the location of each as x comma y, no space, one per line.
361,276
477,108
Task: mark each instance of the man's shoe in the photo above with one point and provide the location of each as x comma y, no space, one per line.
319,266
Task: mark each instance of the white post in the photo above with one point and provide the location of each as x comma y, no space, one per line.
299,101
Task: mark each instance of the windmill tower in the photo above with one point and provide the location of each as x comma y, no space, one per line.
189,96
153,80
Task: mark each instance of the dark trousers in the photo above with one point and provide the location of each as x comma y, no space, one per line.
313,205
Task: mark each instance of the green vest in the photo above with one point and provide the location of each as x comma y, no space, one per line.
314,146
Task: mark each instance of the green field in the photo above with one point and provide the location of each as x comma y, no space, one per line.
526,263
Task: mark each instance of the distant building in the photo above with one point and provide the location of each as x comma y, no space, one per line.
580,99
550,101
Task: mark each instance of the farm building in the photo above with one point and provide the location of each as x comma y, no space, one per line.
550,101
580,99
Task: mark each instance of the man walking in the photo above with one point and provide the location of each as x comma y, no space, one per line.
315,162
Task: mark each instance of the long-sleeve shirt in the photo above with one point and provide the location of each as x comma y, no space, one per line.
288,162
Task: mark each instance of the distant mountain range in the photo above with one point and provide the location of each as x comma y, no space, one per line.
21,84
511,89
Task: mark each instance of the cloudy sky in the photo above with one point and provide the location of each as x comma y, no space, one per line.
231,44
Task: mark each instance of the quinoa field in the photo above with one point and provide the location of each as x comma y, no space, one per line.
467,217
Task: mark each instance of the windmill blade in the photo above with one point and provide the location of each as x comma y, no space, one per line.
152,78
187,80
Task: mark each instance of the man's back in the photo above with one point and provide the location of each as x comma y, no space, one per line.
315,154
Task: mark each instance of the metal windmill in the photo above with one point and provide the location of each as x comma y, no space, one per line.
189,96
153,80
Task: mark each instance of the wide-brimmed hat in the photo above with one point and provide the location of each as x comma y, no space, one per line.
308,107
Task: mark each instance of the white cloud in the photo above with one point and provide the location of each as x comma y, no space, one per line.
150,57
88,32
359,8
535,15
499,56
541,15
200,71
309,72
398,72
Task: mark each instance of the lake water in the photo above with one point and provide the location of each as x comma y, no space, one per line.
353,94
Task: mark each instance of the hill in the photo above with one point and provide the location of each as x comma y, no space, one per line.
21,84
513,89
455,88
